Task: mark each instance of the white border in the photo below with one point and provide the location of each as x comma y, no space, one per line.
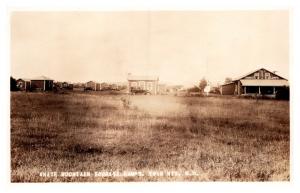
114,5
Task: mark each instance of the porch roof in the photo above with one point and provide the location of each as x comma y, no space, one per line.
258,82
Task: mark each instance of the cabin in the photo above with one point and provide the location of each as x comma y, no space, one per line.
23,84
78,86
147,84
92,85
162,89
104,86
174,89
63,85
42,83
261,82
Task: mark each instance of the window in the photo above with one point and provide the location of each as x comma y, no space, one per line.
142,84
149,86
134,84
267,75
256,75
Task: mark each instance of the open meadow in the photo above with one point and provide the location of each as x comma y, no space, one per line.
205,138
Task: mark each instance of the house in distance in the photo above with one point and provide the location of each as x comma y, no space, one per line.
93,85
41,83
259,82
23,84
142,84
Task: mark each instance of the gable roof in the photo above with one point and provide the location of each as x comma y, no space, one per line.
41,78
145,78
240,77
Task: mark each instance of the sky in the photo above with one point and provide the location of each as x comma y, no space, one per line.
181,47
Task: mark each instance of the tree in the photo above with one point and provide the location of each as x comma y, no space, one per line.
194,89
202,84
228,80
13,84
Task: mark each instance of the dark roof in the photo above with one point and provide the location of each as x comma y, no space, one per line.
227,83
91,81
240,77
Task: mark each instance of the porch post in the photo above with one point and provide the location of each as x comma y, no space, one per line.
259,90
44,85
239,87
129,86
274,91
245,90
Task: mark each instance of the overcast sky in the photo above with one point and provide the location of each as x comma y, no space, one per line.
179,47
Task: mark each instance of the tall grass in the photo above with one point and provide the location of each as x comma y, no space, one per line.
221,139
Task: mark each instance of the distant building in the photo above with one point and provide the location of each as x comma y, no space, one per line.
162,89
258,82
42,83
120,86
92,85
114,86
143,83
23,84
64,85
182,92
70,86
174,90
104,86
207,89
78,86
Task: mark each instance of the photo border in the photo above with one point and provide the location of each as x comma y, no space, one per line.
6,7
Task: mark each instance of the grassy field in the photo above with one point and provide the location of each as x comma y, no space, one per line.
183,138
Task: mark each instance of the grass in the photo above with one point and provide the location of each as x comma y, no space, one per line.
221,139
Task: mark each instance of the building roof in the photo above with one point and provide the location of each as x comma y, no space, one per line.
264,82
145,78
41,78
24,79
240,77
227,83
91,81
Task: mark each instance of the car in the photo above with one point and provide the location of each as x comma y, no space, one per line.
139,91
